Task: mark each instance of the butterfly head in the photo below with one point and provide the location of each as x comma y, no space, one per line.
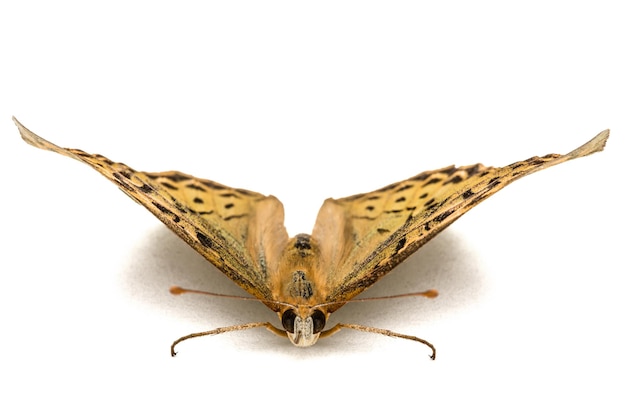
303,325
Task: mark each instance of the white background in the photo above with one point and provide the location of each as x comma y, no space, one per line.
308,100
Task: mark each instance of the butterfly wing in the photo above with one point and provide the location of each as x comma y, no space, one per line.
364,236
241,232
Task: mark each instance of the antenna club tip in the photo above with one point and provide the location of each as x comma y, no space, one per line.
431,293
176,290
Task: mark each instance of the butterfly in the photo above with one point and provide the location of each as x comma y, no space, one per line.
356,240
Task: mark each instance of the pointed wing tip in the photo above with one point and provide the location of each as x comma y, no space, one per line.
28,136
601,138
20,126
32,138
596,144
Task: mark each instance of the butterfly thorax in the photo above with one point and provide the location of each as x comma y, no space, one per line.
297,281
297,284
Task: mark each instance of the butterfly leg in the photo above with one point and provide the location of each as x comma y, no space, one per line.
384,332
236,327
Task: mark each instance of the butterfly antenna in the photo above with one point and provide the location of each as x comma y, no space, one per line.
384,332
428,294
220,330
179,290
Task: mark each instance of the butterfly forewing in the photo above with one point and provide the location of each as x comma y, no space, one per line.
214,219
365,236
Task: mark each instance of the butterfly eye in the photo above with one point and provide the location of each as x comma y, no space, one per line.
289,319
319,321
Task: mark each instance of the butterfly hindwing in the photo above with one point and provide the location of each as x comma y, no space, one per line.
229,227
364,236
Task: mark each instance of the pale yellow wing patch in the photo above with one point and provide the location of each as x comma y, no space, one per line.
364,236
239,231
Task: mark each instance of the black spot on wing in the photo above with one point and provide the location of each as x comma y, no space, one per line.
83,153
401,244
177,177
473,170
421,177
166,211
443,216
102,158
433,181
494,182
467,194
181,208
213,185
454,180
169,186
234,216
404,187
121,181
204,240
449,170
200,212
195,187
229,195
146,189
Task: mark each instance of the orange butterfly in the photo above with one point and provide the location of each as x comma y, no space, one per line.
356,240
